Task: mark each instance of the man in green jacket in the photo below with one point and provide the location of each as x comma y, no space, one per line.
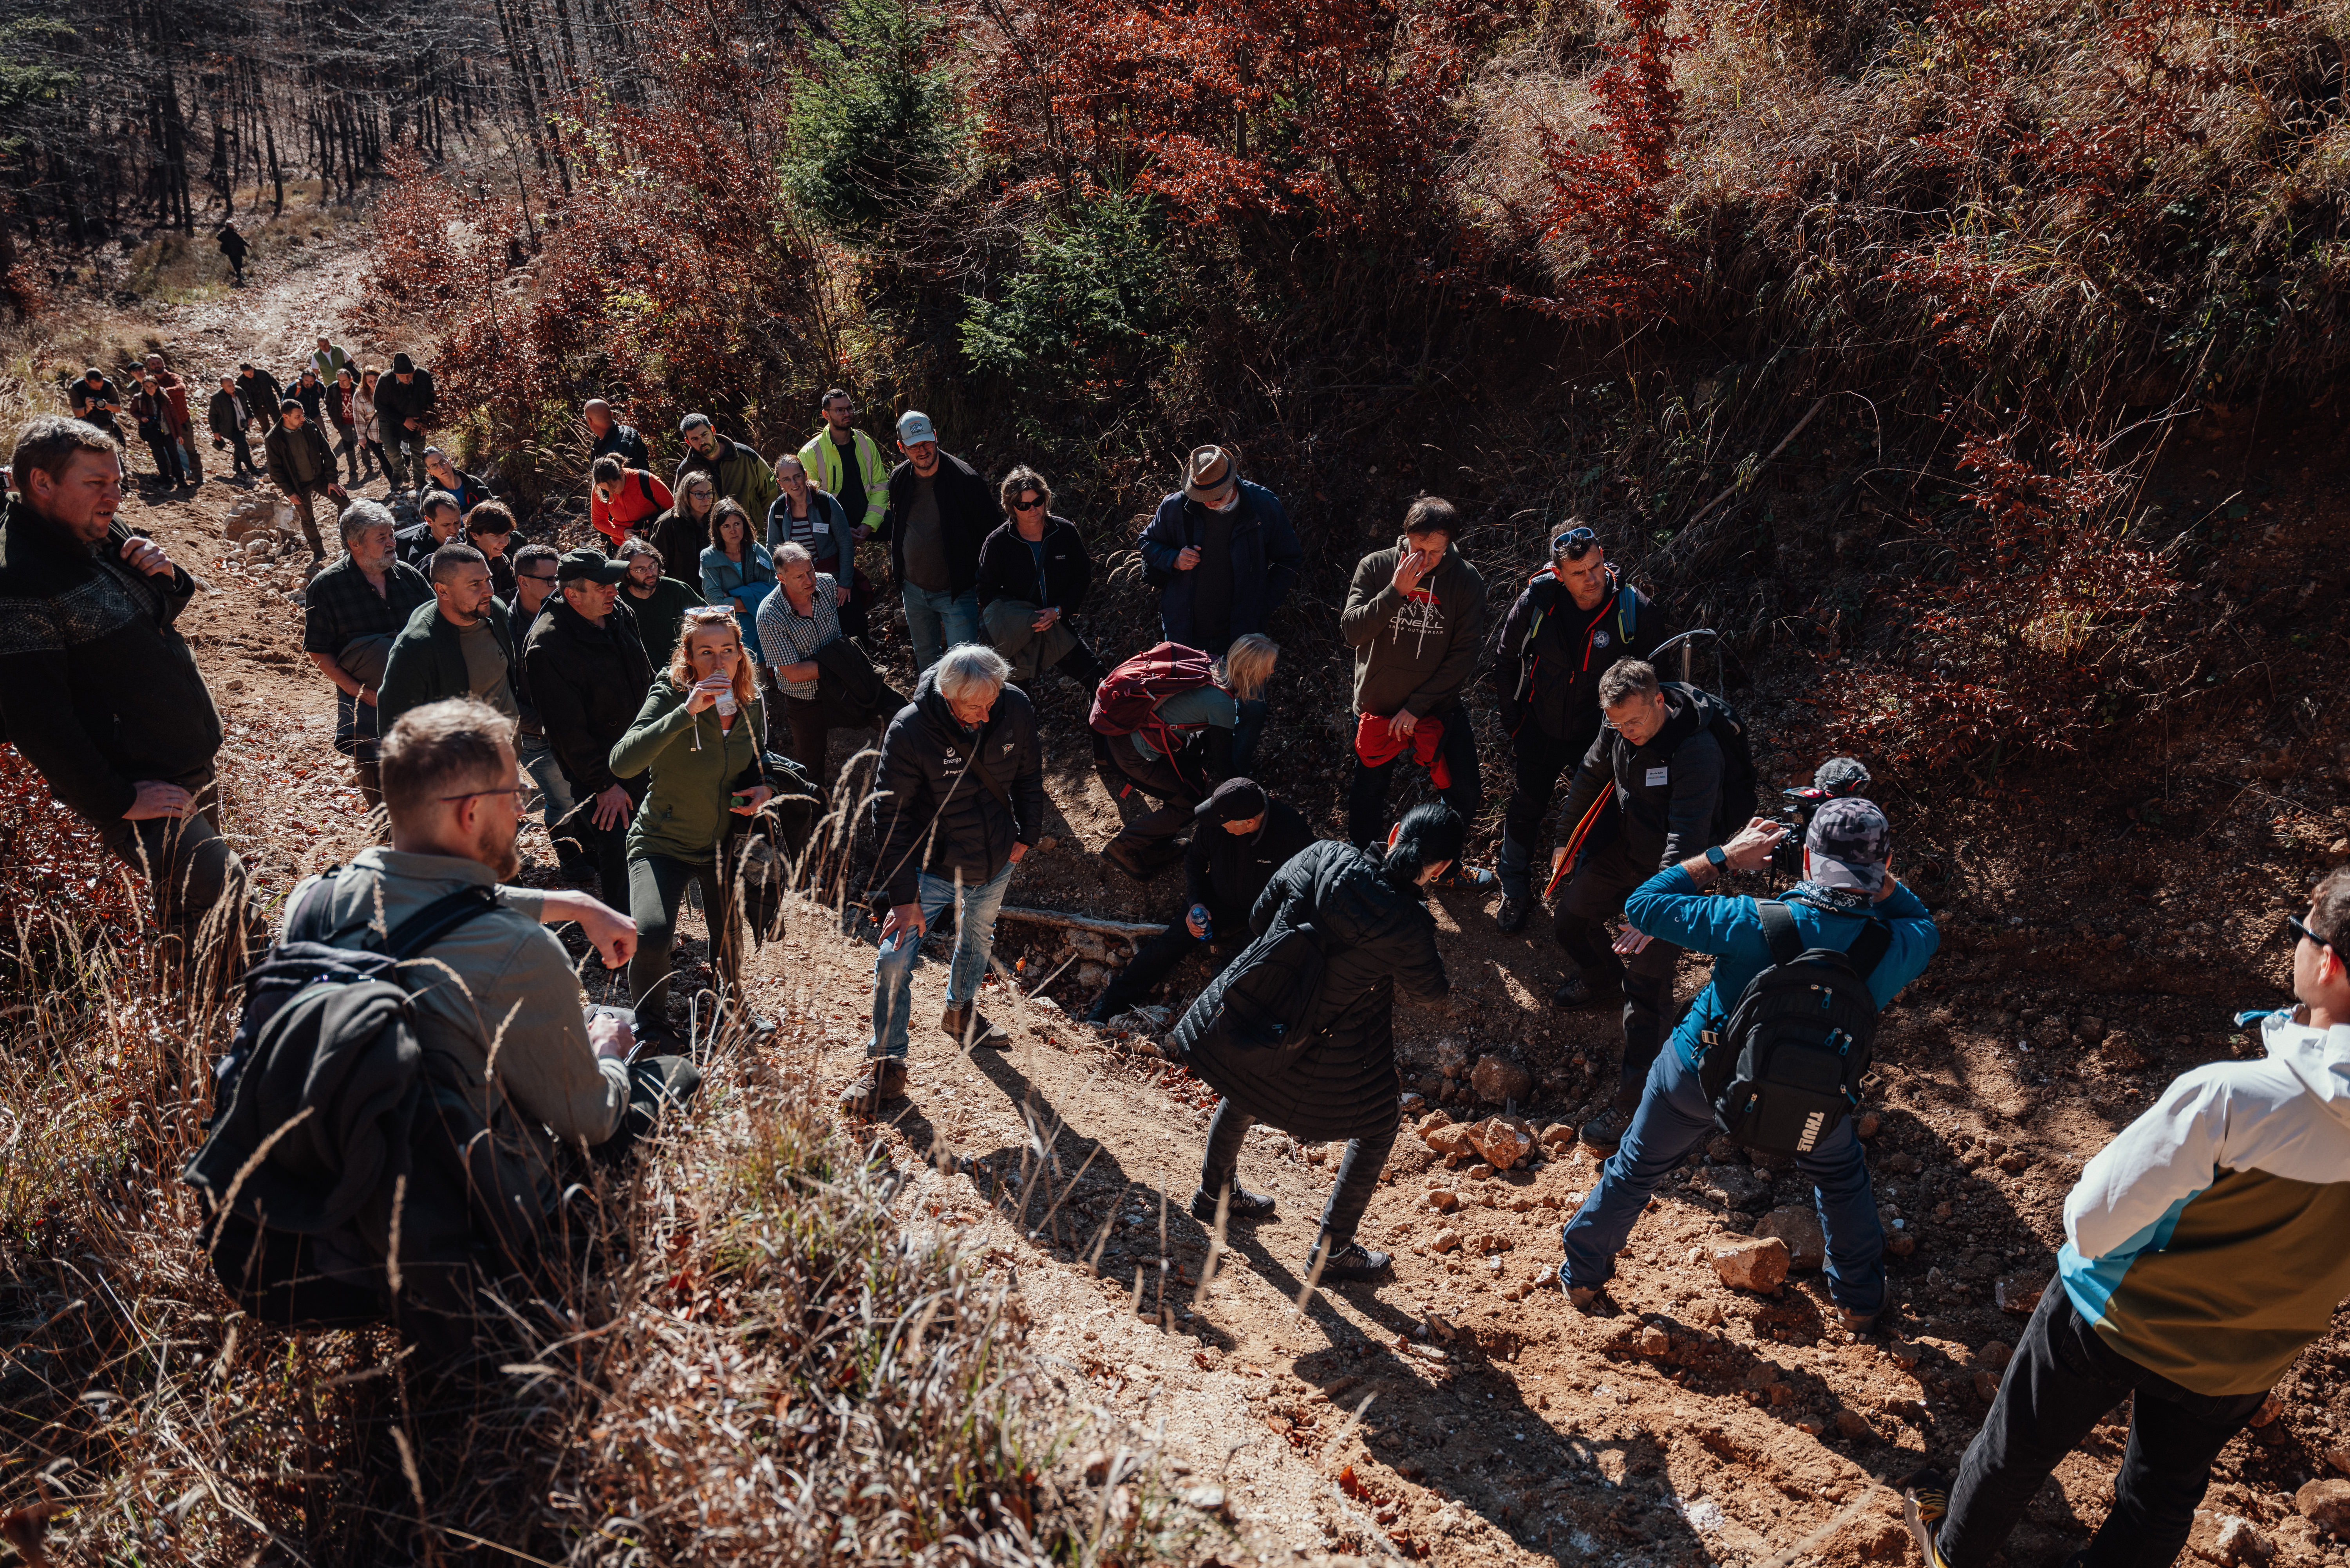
457,645
846,465
733,468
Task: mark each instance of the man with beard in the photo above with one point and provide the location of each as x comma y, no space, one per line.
457,645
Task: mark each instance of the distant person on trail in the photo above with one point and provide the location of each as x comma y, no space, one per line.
312,393
1224,556
621,499
98,688
2203,1255
301,466
537,583
96,400
192,462
1573,620
1848,896
613,439
350,614
587,673
468,490
441,525
738,473
963,779
341,400
698,743
846,464
404,406
658,601
330,360
1412,616
263,396
1034,574
227,415
1662,768
805,516
370,429
1332,1071
233,246
940,514
459,646
160,428
1240,836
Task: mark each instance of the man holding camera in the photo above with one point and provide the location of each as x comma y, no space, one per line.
1659,759
1848,887
1573,619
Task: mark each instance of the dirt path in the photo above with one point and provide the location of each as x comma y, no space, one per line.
1462,1413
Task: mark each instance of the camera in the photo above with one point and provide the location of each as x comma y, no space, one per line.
1837,777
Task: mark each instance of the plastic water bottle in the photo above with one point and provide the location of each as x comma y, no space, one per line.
1206,926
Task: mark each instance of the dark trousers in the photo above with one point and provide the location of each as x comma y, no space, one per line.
1245,735
1540,757
1177,789
166,453
1367,799
347,449
656,887
373,451
1164,953
810,723
1595,892
242,450
1350,1194
2062,1379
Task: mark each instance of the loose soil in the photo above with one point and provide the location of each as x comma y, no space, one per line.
2101,924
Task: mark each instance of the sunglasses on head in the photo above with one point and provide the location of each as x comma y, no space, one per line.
1573,544
2301,931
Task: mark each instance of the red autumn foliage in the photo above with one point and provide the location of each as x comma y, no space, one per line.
2028,635
69,890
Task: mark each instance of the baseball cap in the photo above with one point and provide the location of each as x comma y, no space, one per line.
588,564
1849,839
1236,800
914,428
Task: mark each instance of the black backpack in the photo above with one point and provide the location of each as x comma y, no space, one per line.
415,1172
1785,1067
1734,807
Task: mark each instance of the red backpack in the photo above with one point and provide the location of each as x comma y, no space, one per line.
1128,699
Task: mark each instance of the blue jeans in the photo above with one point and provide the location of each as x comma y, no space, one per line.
893,962
538,760
938,621
1673,1120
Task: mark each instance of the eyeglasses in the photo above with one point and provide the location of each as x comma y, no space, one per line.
2301,931
478,794
537,577
1573,544
1028,503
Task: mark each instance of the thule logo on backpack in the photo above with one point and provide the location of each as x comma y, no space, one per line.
1810,1132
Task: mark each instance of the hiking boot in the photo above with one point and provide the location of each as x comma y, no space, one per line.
1853,1324
1352,1262
1123,853
1606,1130
1579,1296
883,1078
1925,1503
1577,992
1102,1012
968,1027
1241,1205
1512,915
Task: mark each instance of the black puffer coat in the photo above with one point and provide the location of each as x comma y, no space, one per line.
1342,1082
936,814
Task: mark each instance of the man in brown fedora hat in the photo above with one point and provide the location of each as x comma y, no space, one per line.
1224,556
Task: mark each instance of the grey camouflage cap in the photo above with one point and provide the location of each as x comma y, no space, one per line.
1849,841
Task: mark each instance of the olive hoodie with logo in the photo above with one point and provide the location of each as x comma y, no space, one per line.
1413,652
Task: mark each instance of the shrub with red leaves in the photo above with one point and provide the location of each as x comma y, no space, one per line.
69,890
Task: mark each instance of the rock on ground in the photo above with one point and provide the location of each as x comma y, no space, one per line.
1497,1080
1503,1140
1751,1262
1807,1249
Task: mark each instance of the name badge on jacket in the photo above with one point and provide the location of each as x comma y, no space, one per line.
1657,776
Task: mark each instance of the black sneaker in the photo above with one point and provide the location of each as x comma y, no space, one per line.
1512,915
1243,1205
1577,992
1606,1130
1925,1503
1352,1262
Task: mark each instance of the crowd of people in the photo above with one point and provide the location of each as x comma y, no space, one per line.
650,692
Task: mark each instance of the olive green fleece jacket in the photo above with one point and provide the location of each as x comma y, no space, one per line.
1413,652
685,812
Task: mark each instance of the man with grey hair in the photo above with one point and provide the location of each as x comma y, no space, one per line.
353,610
1657,759
98,688
734,469
961,782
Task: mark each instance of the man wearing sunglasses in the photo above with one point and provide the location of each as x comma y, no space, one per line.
1573,620
2203,1251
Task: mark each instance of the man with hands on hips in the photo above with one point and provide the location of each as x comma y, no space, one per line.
1847,884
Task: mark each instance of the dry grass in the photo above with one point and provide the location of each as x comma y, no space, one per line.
761,1362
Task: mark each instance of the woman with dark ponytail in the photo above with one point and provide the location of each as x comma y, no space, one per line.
1299,1032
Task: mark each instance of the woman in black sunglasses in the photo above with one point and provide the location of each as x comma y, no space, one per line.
1034,574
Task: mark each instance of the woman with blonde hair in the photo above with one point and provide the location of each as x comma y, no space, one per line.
698,735
1244,670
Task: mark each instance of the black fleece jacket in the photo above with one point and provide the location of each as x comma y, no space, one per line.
587,682
967,514
1007,568
97,687
1227,872
1665,791
937,814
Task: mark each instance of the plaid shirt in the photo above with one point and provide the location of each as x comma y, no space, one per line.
791,637
340,608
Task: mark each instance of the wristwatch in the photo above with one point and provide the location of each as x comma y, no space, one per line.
1717,857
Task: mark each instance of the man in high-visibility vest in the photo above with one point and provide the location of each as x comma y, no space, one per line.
846,465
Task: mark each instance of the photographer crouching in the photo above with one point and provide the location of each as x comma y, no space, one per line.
1848,902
